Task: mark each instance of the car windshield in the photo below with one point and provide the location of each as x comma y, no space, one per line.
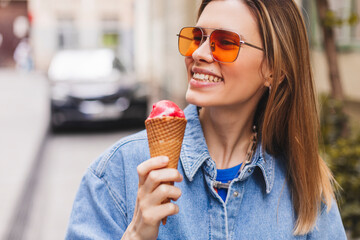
81,65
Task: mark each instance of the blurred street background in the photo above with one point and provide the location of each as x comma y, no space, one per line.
77,75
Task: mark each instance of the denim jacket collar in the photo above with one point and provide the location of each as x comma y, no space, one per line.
195,153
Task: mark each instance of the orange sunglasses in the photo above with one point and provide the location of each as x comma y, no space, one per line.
225,45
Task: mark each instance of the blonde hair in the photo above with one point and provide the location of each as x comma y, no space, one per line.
288,115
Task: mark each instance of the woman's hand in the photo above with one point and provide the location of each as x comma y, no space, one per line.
154,189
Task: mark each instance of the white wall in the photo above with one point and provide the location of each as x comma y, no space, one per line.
156,54
349,66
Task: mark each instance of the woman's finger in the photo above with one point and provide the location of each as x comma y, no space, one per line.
165,175
153,163
162,193
154,215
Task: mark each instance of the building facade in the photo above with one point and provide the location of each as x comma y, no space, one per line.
77,24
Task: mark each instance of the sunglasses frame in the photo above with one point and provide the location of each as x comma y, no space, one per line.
205,37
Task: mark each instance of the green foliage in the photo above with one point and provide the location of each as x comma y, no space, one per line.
333,120
331,20
341,147
353,19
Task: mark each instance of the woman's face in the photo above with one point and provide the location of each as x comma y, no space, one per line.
240,82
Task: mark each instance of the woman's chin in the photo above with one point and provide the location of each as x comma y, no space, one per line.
191,98
197,100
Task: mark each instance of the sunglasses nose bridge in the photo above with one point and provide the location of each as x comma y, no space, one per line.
204,38
204,53
211,45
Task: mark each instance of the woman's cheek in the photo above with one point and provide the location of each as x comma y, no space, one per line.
188,64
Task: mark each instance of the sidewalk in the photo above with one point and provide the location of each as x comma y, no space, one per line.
23,124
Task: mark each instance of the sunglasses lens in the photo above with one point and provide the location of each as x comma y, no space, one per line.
224,45
189,40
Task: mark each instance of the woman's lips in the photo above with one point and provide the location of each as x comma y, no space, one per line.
202,78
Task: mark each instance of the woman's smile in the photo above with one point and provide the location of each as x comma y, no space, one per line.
206,78
202,78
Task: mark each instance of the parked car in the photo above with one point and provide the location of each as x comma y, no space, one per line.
92,86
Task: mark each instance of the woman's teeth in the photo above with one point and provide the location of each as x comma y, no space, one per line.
205,77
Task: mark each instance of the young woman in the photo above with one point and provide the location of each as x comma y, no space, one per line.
250,167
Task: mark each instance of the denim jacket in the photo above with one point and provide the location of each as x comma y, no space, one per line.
258,204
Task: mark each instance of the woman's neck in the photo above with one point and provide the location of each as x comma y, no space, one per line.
227,132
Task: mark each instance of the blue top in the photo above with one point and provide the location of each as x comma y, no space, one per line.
225,176
258,205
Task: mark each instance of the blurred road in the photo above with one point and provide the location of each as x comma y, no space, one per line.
65,159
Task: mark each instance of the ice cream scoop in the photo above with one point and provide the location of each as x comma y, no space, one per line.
166,108
165,129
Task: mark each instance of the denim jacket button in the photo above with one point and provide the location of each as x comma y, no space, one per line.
235,194
249,171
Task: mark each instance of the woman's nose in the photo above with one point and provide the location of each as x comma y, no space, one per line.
203,52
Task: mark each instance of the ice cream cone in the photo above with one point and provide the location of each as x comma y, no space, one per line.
165,136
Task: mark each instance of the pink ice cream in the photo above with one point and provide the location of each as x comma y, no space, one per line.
166,108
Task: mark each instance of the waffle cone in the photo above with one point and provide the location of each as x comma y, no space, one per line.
165,136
